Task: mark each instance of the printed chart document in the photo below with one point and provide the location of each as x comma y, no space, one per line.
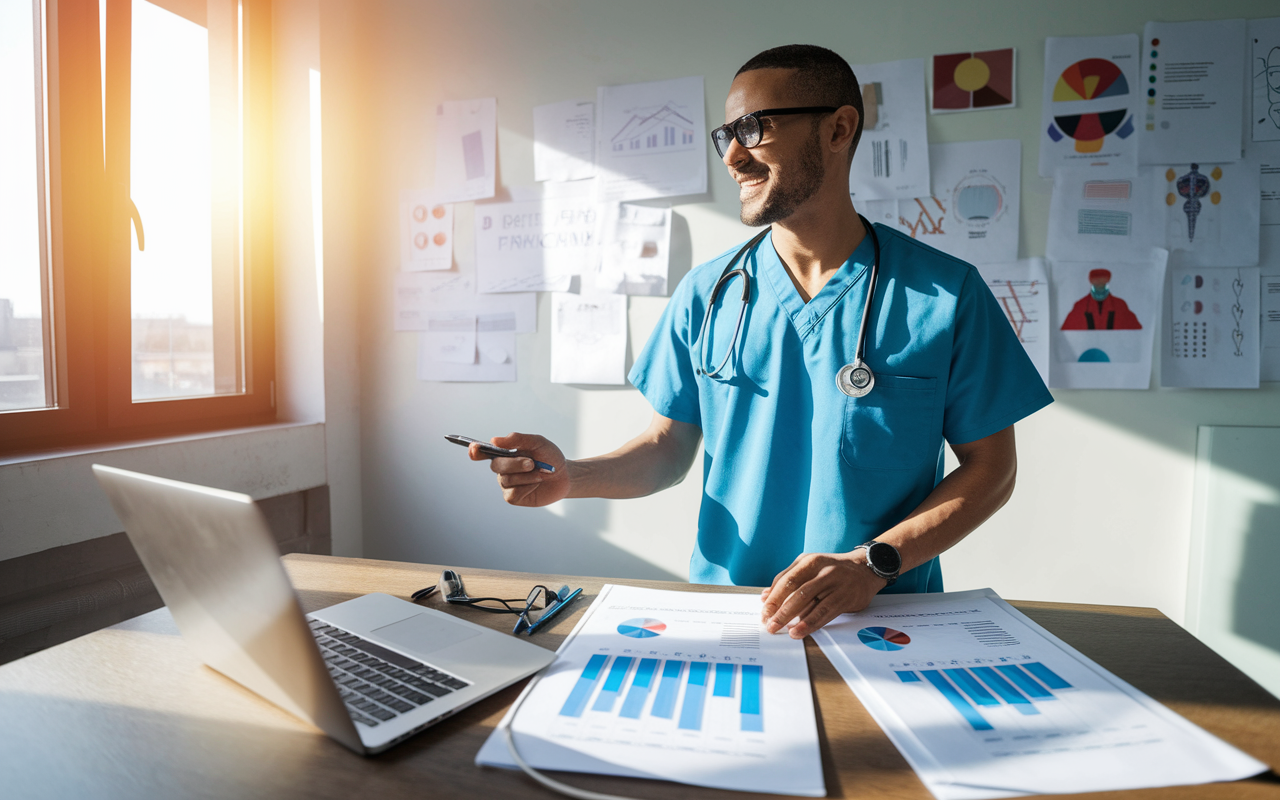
1270,301
636,250
1195,98
892,162
1211,339
972,81
973,210
426,232
1022,290
466,142
589,338
1103,319
494,361
1091,102
1102,214
1210,212
535,245
682,686
423,300
651,140
985,703
564,141
1264,79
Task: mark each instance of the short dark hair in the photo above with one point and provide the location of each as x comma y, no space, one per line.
822,78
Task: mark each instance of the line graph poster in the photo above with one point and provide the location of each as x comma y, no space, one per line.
972,212
651,140
1089,116
1022,290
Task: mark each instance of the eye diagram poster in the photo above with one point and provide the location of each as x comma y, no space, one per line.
1264,79
678,686
636,250
974,81
466,149
651,140
426,232
589,338
1022,290
1101,214
564,140
1211,212
536,245
892,160
1211,341
973,211
1103,322
985,703
1194,97
1091,102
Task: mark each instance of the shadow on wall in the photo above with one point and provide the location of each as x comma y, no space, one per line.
1256,609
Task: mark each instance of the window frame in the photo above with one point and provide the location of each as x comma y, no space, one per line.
87,272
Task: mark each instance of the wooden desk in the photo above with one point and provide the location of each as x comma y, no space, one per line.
129,712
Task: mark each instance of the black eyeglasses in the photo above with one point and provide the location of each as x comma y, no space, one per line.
536,608
747,129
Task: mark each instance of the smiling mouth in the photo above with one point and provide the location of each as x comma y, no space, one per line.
751,182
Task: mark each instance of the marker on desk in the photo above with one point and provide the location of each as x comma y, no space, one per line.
493,451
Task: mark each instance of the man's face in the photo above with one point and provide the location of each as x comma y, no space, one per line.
1098,288
778,175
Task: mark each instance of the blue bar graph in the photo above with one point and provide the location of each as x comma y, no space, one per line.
664,704
971,715
577,699
1025,682
752,719
724,680
612,684
694,693
634,703
908,676
1047,676
1006,691
976,691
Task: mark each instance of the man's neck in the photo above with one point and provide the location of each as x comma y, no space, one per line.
817,240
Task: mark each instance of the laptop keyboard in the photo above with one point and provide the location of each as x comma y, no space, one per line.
378,684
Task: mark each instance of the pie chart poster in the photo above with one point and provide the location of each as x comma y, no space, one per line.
1091,101
977,81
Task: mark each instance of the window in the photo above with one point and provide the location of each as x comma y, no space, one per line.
135,285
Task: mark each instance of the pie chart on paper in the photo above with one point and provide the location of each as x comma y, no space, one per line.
883,638
642,628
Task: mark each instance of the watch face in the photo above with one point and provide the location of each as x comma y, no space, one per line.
884,557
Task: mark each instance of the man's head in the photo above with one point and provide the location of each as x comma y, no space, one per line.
796,153
1098,280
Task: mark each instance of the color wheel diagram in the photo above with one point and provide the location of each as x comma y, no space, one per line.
1091,79
883,638
642,628
964,81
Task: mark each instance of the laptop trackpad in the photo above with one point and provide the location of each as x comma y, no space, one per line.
425,633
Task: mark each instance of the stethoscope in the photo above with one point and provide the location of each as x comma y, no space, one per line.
855,379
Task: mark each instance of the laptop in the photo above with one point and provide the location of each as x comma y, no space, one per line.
369,672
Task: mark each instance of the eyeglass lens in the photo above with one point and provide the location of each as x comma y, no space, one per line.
745,129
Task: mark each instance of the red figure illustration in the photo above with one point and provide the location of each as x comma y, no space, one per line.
1100,310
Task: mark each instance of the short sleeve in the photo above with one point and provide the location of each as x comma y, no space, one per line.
992,382
664,370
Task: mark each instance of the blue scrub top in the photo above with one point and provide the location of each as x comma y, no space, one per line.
790,464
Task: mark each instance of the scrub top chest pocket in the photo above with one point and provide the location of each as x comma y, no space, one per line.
895,427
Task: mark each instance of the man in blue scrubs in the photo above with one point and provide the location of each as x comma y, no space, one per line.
797,476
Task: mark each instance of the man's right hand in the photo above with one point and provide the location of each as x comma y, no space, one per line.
523,483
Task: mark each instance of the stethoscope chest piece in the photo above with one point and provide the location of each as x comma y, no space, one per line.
855,379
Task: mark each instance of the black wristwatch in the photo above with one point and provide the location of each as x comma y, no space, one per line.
884,559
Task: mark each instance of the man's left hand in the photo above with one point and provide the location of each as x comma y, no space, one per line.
817,588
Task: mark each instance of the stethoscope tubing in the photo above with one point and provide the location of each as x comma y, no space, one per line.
730,272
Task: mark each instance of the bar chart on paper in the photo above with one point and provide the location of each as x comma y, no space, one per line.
678,685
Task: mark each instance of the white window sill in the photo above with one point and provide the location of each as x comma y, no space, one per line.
51,499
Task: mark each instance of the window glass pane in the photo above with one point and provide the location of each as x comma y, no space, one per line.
175,326
22,317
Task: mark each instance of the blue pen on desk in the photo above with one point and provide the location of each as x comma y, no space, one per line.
493,451
530,626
